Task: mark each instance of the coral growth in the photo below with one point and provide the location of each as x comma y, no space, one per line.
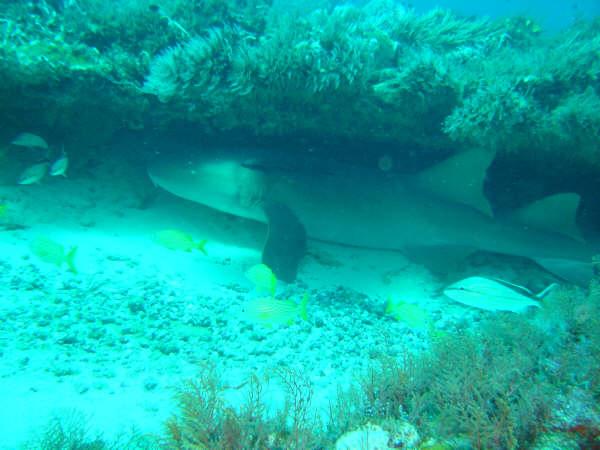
376,72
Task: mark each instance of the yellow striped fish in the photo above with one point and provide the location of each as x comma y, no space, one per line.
263,278
269,311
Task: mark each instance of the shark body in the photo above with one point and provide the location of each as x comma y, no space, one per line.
442,209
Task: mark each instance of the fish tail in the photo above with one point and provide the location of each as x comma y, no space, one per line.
70,259
389,307
302,307
201,246
547,291
431,329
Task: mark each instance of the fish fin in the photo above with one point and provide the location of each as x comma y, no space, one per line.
556,213
459,178
547,290
302,307
202,246
70,259
389,306
576,272
285,245
273,287
514,286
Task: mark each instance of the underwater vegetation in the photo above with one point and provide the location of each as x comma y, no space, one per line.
71,431
513,381
205,421
378,72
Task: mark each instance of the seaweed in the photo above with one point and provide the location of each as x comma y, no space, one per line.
512,381
205,420
71,431
376,72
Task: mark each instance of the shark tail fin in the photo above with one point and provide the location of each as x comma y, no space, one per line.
389,306
201,246
303,306
576,272
70,259
555,213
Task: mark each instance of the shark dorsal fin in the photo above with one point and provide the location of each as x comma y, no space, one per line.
556,213
460,179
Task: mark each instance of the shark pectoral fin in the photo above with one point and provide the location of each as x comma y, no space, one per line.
576,272
286,242
556,213
438,259
460,179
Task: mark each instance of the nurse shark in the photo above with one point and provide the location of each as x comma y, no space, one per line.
439,213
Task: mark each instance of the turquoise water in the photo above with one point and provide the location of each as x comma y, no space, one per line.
281,225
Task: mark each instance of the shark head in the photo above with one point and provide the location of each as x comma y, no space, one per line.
220,181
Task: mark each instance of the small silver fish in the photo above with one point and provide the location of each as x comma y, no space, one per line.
33,174
494,294
29,140
60,166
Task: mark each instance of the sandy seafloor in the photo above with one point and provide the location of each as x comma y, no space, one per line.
112,341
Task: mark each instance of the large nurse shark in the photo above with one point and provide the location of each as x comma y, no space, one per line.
437,213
